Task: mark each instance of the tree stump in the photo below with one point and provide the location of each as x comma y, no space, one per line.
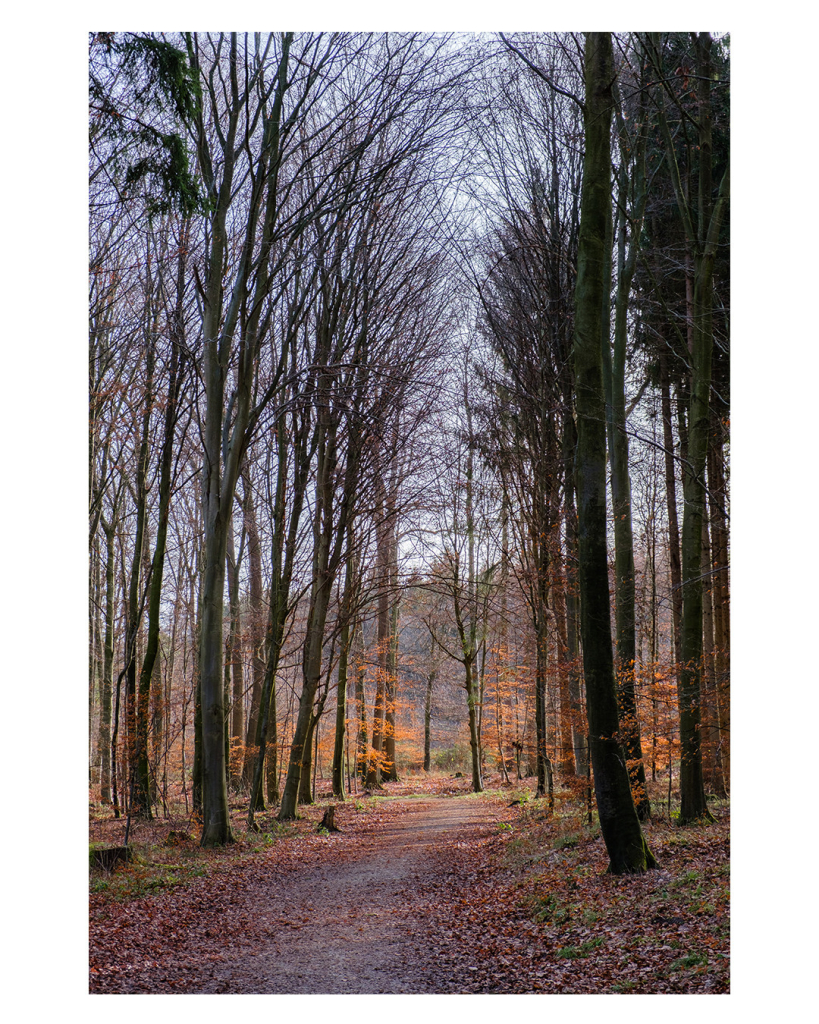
107,858
328,821
176,837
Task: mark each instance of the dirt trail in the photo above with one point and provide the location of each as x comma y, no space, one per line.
354,921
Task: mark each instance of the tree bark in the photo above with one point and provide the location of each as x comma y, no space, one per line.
147,674
329,532
675,566
619,823
233,662
720,593
625,600
107,681
703,236
390,763
345,640
257,628
375,767
361,758
428,719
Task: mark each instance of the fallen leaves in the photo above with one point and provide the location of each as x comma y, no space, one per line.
508,900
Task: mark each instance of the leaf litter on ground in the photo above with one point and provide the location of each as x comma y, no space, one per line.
519,902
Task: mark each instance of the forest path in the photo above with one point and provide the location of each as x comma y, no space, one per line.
353,919
434,894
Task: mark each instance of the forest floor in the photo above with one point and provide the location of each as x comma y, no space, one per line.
426,889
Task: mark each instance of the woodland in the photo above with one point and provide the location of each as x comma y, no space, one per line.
409,502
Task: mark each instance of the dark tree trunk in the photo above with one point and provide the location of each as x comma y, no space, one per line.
341,713
147,675
720,591
390,764
375,767
233,666
329,533
257,658
107,681
361,701
347,632
138,786
703,236
671,505
619,823
579,725
428,719
625,596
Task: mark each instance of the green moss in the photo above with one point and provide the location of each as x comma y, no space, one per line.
690,960
581,951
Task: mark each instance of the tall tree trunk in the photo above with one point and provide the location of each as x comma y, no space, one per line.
282,558
97,657
625,600
147,674
428,719
157,728
376,755
233,660
347,633
720,592
704,235
671,506
712,773
196,607
305,795
361,758
474,735
619,823
375,767
579,727
565,756
107,681
543,766
341,712
469,632
257,626
390,763
137,697
329,532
